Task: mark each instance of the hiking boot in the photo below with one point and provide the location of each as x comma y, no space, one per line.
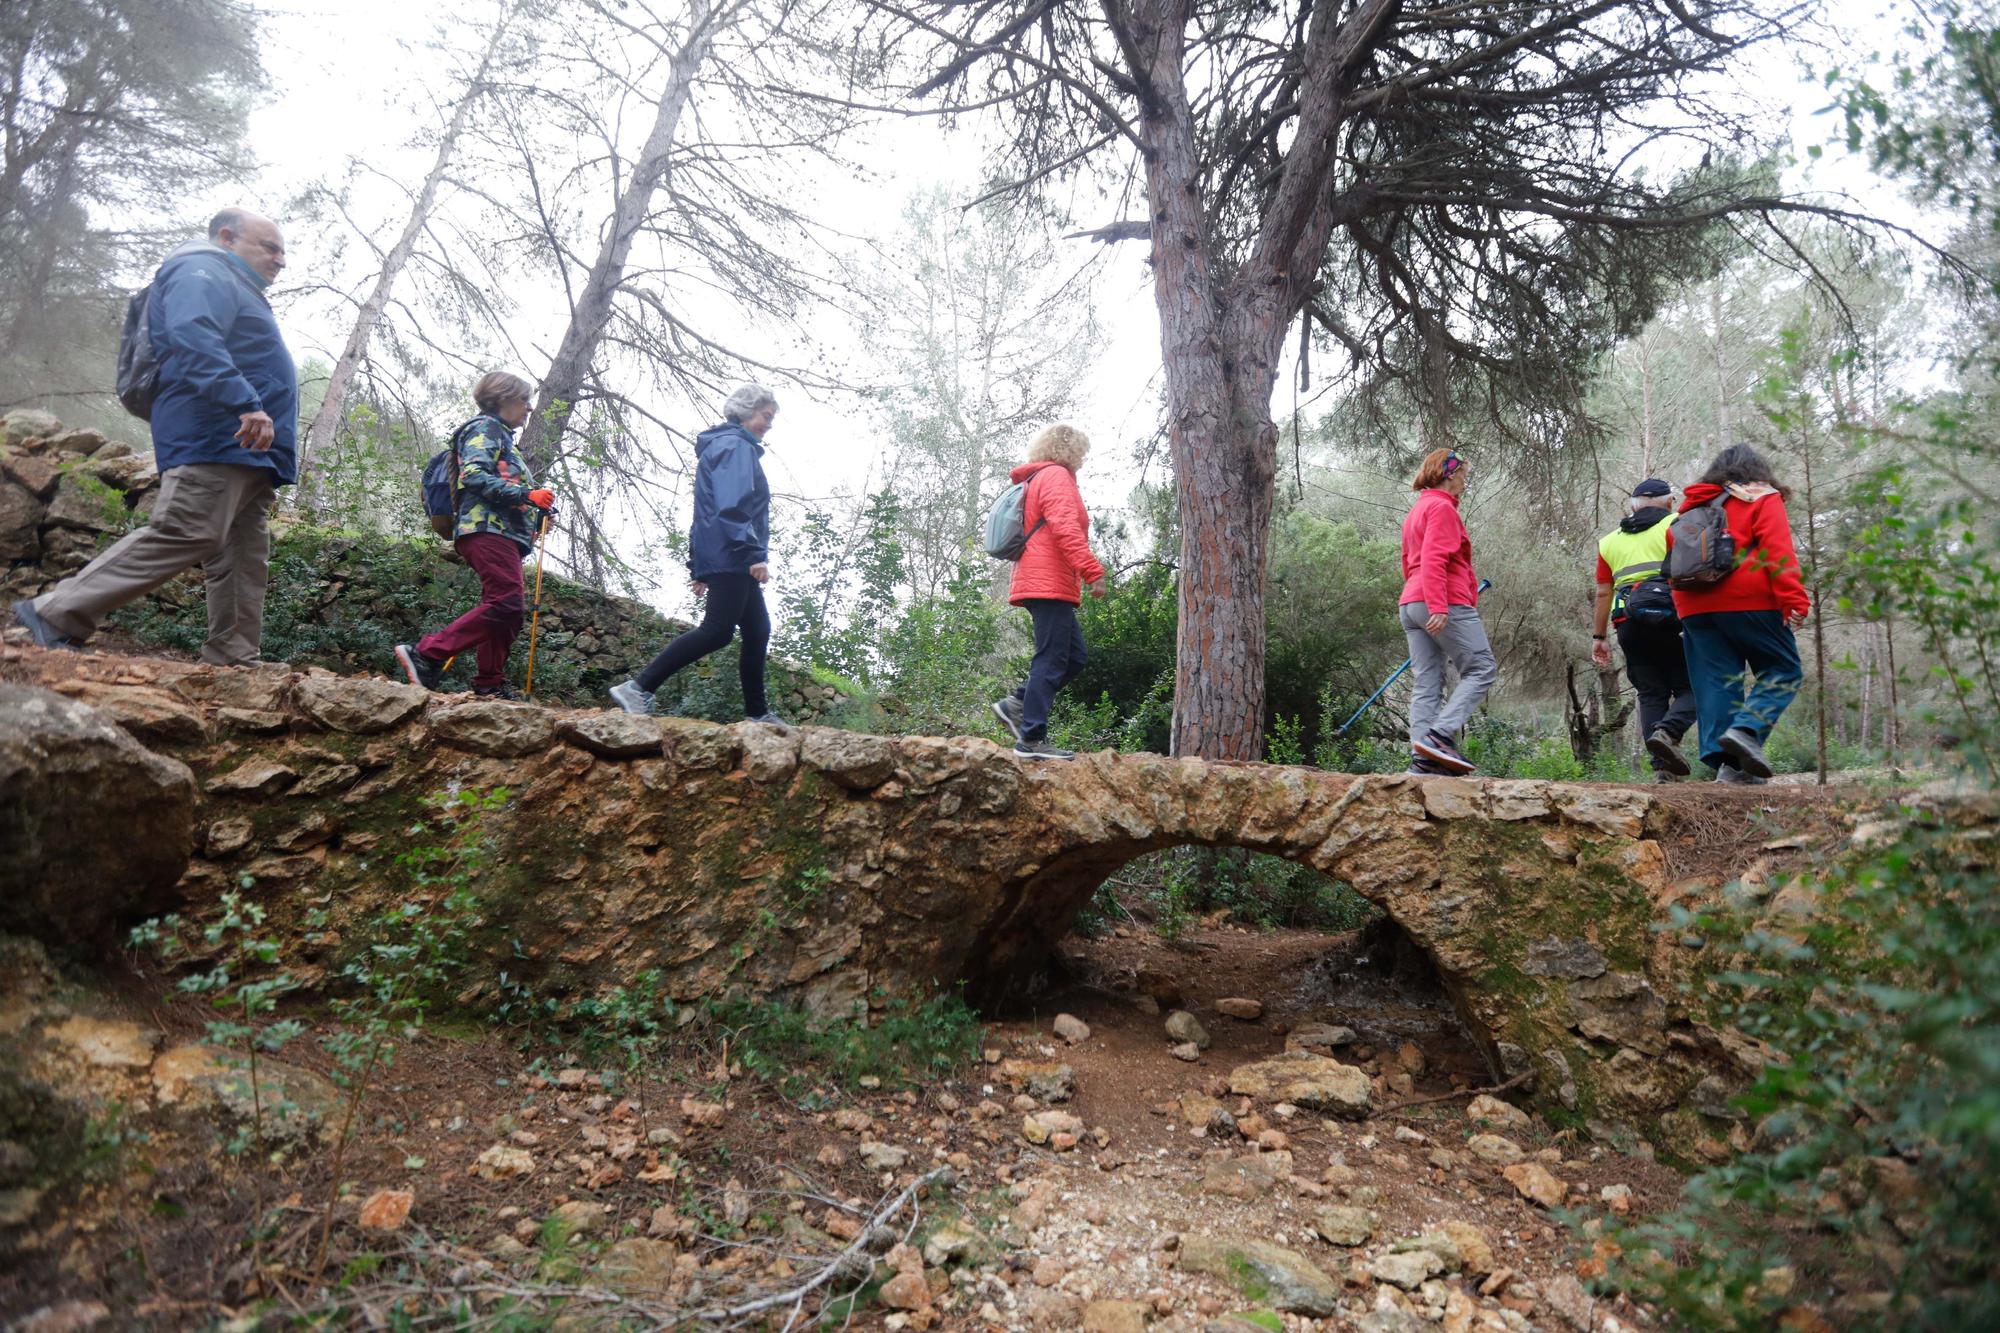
1040,749
628,696
506,692
1742,747
41,631
1440,751
1008,710
420,669
1666,752
770,720
1731,776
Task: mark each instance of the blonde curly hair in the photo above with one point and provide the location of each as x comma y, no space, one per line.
1060,444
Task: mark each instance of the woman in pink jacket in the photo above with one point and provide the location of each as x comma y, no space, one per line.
1046,581
1440,613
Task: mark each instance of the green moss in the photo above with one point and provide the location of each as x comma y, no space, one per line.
1247,1279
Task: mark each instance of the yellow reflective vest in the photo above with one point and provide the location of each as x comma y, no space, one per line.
1632,556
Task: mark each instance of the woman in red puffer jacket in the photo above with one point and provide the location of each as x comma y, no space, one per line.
1047,580
1743,660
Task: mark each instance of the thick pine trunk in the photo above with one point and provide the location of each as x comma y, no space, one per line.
1221,366
569,373
326,421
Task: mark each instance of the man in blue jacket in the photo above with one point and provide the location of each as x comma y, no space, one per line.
225,422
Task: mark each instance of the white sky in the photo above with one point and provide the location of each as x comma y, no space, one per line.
345,74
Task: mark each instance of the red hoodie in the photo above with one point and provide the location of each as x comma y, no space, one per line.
1437,554
1766,577
1059,554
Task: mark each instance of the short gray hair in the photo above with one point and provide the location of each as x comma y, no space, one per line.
747,401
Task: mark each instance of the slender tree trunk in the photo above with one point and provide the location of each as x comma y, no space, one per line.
1645,405
569,372
326,422
1892,721
1721,369
1819,609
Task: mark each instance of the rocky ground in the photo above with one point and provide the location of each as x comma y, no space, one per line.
1141,1152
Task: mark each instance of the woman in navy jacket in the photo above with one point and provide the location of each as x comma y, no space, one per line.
728,556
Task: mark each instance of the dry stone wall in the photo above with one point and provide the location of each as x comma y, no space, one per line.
836,868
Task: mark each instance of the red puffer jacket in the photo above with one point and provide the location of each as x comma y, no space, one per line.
1059,554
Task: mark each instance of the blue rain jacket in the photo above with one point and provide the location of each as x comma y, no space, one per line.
220,355
732,504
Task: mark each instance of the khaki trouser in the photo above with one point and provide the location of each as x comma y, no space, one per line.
216,515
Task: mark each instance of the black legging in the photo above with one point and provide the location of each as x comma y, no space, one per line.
735,601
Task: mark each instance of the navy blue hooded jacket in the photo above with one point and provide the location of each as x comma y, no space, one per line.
220,355
732,504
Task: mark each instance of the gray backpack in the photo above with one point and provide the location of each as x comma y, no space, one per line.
1006,531
1704,551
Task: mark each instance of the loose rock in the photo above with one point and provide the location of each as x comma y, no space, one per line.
1534,1181
1183,1026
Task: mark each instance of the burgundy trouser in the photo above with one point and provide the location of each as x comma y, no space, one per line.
491,627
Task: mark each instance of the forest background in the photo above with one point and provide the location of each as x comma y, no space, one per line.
639,205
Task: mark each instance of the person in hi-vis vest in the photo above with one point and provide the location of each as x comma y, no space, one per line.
1633,597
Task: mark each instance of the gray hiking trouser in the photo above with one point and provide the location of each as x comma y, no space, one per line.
215,515
1462,643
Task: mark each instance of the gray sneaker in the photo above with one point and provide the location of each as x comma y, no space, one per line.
1731,776
1742,747
1666,752
41,631
1040,750
770,720
628,696
1008,710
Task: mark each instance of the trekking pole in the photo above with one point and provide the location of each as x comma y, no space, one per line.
1394,676
535,624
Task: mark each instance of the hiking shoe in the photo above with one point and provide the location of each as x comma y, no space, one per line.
41,631
1731,776
628,696
506,692
420,669
1440,751
1742,747
1667,756
1661,777
1041,749
1008,710
770,720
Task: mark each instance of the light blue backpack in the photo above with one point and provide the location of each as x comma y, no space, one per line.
1005,523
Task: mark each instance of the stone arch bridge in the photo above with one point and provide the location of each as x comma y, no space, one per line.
833,867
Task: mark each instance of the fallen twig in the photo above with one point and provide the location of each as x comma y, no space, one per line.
841,1262
1513,1082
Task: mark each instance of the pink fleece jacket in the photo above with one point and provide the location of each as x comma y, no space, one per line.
1437,555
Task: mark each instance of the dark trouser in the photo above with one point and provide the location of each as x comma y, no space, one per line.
735,601
490,628
1059,659
1657,666
1745,669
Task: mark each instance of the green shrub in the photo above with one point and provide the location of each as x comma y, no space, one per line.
907,1042
1876,1158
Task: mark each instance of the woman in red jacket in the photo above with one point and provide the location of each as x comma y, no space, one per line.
1046,580
1737,632
1440,614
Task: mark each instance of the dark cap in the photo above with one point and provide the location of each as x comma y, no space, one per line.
1650,487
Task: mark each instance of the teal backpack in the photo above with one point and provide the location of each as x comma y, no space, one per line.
1006,538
